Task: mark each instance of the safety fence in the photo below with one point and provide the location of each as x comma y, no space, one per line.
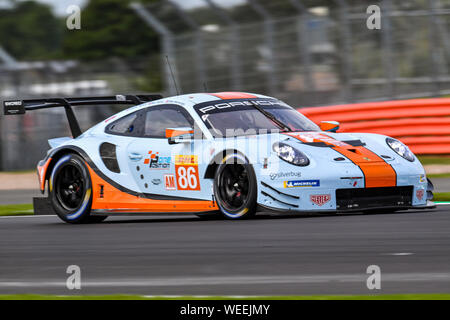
422,124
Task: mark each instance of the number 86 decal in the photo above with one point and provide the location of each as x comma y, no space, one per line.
187,177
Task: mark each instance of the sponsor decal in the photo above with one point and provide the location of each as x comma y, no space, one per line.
186,160
301,183
14,107
13,103
186,170
320,199
156,181
419,194
156,161
226,105
422,178
318,137
290,174
352,180
169,182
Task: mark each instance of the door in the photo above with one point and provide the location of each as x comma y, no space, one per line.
161,168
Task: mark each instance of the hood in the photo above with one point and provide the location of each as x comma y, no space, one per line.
354,147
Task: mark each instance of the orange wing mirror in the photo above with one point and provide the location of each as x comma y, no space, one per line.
330,126
179,135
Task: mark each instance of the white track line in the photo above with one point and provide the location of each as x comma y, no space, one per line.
28,216
234,280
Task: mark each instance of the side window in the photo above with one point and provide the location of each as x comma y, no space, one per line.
158,119
124,126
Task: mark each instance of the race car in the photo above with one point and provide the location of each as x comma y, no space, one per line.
228,154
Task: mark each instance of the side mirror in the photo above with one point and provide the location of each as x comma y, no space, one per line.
330,126
179,135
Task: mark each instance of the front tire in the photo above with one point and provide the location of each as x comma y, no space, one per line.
235,188
71,190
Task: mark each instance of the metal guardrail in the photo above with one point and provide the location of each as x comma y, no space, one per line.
422,124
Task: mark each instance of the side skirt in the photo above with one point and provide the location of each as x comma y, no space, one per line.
142,213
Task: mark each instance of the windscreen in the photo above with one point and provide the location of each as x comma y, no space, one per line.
251,116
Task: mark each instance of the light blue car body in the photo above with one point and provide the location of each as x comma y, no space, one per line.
281,186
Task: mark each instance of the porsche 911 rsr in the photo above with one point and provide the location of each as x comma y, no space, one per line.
227,153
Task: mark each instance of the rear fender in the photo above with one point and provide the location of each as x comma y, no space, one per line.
45,166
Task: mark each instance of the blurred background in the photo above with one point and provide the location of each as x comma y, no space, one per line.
306,52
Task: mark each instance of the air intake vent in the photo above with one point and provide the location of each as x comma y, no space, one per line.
108,155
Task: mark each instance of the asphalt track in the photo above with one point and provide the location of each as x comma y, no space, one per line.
264,256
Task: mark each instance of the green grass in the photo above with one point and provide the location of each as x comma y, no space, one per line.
438,175
16,209
27,209
19,171
425,160
441,196
317,297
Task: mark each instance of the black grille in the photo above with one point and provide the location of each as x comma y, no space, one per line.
366,198
108,155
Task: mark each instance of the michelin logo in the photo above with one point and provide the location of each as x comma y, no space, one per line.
301,183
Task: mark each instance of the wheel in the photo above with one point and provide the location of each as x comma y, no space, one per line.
235,187
71,190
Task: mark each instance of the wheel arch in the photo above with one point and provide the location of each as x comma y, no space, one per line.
54,158
217,159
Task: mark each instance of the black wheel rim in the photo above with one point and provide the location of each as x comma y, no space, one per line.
70,187
233,187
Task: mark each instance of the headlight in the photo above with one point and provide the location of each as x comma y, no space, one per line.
401,149
290,154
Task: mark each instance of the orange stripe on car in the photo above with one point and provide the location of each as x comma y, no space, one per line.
170,133
233,95
377,172
107,197
42,172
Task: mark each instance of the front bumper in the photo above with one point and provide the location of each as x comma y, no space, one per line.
341,198
278,211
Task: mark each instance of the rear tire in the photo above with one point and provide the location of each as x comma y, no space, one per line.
235,188
71,190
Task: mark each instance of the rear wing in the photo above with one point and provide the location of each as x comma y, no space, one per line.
17,107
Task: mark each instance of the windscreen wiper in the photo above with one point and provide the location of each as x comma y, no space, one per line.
271,117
